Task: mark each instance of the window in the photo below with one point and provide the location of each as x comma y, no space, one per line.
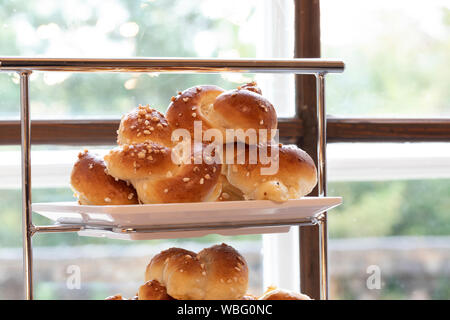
395,211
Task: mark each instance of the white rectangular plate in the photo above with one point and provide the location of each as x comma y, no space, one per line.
139,216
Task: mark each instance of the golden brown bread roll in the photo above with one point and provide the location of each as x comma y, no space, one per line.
115,297
93,186
144,124
215,273
293,174
153,290
243,108
282,294
193,104
146,158
157,179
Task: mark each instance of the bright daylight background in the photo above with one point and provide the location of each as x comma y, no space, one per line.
396,196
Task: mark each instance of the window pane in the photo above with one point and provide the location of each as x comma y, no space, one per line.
120,29
396,226
396,55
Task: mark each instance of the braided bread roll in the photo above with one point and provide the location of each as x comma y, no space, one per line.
153,290
145,157
243,108
290,175
215,273
93,186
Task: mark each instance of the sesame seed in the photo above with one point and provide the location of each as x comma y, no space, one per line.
225,195
237,269
166,190
147,132
150,158
207,176
194,108
156,119
194,114
139,134
147,122
91,166
169,174
181,270
261,122
186,179
186,99
130,196
202,181
107,199
159,125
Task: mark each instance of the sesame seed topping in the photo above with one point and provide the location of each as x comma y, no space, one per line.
166,190
130,196
107,199
237,269
202,181
194,114
91,166
186,179
141,155
147,132
186,99
194,108
261,122
207,176
204,273
169,174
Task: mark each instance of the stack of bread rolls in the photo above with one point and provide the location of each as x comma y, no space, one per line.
141,168
216,273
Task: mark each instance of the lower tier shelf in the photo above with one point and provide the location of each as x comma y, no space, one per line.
183,220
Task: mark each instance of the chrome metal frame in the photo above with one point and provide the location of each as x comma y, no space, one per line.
25,66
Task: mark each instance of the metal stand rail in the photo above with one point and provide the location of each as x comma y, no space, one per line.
25,66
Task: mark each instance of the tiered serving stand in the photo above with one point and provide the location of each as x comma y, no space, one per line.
259,216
